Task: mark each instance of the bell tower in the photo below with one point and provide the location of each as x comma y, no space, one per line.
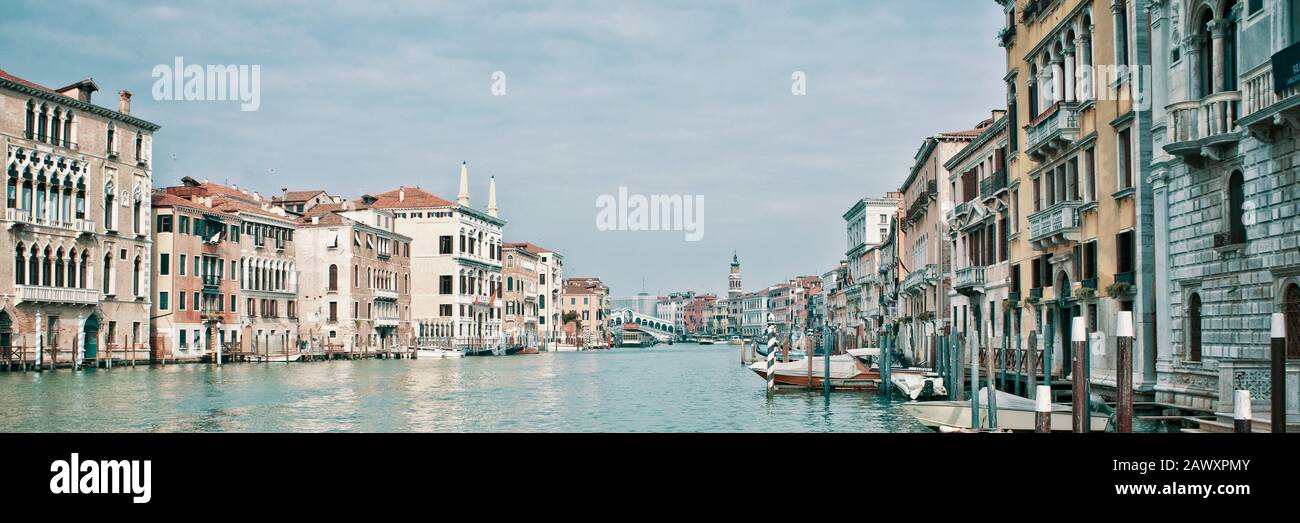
733,280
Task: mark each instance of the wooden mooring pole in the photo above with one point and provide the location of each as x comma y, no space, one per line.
1080,393
1124,378
1241,411
1043,409
1278,375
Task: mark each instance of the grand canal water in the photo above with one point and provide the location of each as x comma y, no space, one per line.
678,388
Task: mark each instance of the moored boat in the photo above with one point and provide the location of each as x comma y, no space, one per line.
847,372
1015,413
435,352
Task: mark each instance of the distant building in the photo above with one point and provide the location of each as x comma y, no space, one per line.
522,288
586,300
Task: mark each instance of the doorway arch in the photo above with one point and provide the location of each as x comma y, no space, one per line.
90,337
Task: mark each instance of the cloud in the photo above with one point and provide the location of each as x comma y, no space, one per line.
672,97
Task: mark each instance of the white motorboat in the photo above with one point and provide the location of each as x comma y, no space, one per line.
437,353
1014,413
913,385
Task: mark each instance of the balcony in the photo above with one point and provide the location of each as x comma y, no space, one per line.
969,279
1264,109
386,321
1206,128
1054,225
214,316
991,186
1224,241
918,279
211,284
382,294
918,207
36,293
1052,131
958,211
26,217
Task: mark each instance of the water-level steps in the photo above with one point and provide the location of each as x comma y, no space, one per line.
1222,423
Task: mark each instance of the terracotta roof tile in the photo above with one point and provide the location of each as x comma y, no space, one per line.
415,198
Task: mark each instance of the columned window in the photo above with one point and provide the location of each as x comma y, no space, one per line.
1194,327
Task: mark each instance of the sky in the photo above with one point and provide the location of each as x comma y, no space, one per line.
689,98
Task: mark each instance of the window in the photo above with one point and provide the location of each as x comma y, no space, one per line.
185,224
334,312
181,265
164,264
1124,260
164,223
162,301
1194,327
1236,211
334,278
1090,175
183,341
1125,156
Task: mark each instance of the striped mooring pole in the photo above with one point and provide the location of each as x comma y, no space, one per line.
1241,411
1043,409
1124,382
1078,338
771,354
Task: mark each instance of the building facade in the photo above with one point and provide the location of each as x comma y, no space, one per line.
586,301
1225,192
78,223
195,308
1081,241
867,223
456,251
358,298
978,235
927,197
521,294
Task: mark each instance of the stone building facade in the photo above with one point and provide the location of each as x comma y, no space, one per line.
521,294
77,223
1224,176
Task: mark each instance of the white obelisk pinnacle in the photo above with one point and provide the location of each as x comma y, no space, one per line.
463,197
492,197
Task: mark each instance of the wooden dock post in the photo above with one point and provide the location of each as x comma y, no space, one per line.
975,382
1278,375
1124,378
1079,395
1043,409
991,380
1241,412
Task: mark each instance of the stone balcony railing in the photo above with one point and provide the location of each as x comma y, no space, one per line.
386,321
1197,127
37,293
917,279
24,216
384,294
1055,129
969,279
1054,225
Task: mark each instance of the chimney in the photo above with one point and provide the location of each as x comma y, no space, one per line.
124,101
401,194
80,90
315,220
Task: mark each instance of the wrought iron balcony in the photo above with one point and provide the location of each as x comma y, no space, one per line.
994,184
1229,239
1052,131
1054,225
37,293
919,206
211,283
969,279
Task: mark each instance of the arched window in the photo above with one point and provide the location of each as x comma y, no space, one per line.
135,277
1194,327
110,146
108,273
59,268
1236,209
1205,45
1230,46
33,267
108,206
20,269
72,269
139,146
46,267
510,283
1291,308
334,278
81,270
31,119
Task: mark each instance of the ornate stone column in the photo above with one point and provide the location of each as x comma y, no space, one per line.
1218,31
1070,76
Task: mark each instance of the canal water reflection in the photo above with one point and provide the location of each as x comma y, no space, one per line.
678,388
